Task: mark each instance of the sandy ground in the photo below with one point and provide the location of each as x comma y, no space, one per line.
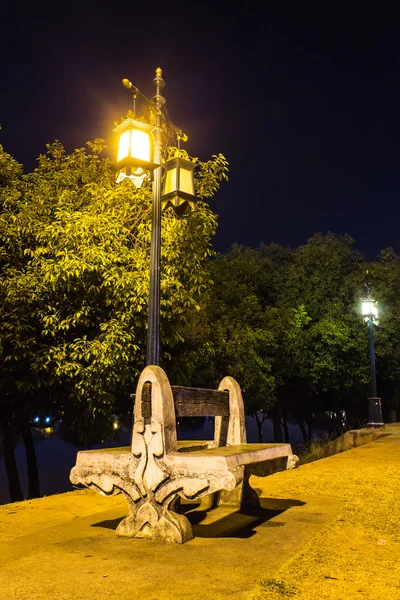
328,530
357,554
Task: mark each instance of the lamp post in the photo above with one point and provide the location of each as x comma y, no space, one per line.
369,311
153,332
140,157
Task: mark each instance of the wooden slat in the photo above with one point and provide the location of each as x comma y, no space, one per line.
200,402
146,400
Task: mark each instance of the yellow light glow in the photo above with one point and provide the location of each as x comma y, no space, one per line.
134,143
186,181
124,145
140,145
115,425
170,181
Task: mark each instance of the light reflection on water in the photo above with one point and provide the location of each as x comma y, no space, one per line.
56,457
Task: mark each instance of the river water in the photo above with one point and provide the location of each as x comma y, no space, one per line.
57,457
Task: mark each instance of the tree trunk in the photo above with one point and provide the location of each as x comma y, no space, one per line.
276,419
33,473
300,422
259,422
310,429
14,484
285,426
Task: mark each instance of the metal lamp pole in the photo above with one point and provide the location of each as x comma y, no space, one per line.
372,357
370,313
374,405
153,332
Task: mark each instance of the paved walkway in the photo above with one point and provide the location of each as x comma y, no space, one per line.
328,530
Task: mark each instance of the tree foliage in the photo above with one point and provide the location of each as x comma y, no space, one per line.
74,279
286,323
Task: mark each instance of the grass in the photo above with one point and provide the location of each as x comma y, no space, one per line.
308,448
276,588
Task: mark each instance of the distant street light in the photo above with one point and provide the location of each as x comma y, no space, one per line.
369,311
142,154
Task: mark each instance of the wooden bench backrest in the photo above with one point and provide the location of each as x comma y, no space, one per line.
190,402
200,402
157,401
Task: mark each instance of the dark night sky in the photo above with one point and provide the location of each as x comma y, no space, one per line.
301,97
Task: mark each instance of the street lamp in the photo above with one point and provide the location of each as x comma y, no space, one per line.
140,157
178,191
135,149
369,311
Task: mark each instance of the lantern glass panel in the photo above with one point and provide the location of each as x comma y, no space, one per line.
140,145
186,181
124,143
365,307
170,181
369,308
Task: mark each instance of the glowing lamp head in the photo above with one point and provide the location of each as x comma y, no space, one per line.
135,150
135,144
369,309
178,189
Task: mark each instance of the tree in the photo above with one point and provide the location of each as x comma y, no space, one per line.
74,281
285,324
241,332
327,372
384,276
10,183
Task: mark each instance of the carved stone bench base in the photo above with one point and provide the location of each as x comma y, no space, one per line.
151,521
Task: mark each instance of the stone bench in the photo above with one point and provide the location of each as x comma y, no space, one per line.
157,470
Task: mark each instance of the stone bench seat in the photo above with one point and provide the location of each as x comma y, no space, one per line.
222,461
157,469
